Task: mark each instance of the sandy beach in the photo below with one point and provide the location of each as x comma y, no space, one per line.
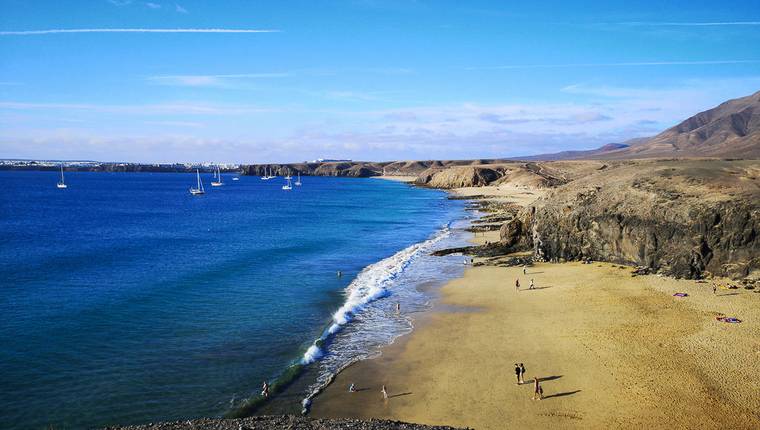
612,351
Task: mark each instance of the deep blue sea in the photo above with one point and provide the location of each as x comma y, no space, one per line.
124,299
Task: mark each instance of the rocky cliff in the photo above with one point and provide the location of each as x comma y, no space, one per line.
682,218
362,169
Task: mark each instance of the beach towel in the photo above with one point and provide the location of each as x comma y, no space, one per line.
729,320
680,295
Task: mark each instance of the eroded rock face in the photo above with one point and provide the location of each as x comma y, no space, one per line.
460,176
686,219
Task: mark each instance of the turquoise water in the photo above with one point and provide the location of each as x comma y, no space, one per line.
126,300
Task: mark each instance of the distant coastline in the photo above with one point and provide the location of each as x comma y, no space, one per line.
110,166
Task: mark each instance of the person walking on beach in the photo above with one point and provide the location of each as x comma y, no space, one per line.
538,392
525,270
531,284
517,374
265,389
352,388
517,284
715,290
522,373
385,393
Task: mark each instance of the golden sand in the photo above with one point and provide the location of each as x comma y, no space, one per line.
505,193
615,351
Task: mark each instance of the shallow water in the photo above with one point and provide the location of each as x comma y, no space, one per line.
125,300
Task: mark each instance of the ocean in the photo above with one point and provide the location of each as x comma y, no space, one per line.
124,299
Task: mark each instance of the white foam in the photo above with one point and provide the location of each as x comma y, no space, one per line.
371,284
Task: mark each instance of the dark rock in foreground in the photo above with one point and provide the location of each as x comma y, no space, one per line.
283,422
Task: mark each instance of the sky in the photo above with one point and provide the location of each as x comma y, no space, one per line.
288,81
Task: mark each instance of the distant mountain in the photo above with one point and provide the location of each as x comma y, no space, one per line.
580,155
730,130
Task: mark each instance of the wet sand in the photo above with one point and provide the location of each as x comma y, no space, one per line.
613,351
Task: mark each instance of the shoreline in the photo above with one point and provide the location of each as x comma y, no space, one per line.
371,292
615,350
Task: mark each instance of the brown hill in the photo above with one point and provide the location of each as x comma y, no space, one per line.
730,130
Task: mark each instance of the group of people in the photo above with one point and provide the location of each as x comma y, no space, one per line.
517,284
384,391
517,281
538,392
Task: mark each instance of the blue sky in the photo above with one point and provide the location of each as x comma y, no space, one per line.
362,79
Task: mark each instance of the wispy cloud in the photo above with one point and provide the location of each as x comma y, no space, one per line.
120,3
150,5
179,124
689,24
180,9
135,30
619,64
178,108
228,80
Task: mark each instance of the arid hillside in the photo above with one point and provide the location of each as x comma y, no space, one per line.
730,130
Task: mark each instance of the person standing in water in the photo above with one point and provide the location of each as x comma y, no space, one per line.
265,389
517,374
522,373
538,392
398,308
385,393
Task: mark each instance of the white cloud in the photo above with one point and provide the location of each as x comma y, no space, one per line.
595,115
134,30
152,5
180,9
120,3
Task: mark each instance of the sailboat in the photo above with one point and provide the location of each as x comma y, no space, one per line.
288,177
218,176
288,186
61,184
298,182
266,176
199,190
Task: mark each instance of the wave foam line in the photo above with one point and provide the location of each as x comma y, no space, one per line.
372,283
